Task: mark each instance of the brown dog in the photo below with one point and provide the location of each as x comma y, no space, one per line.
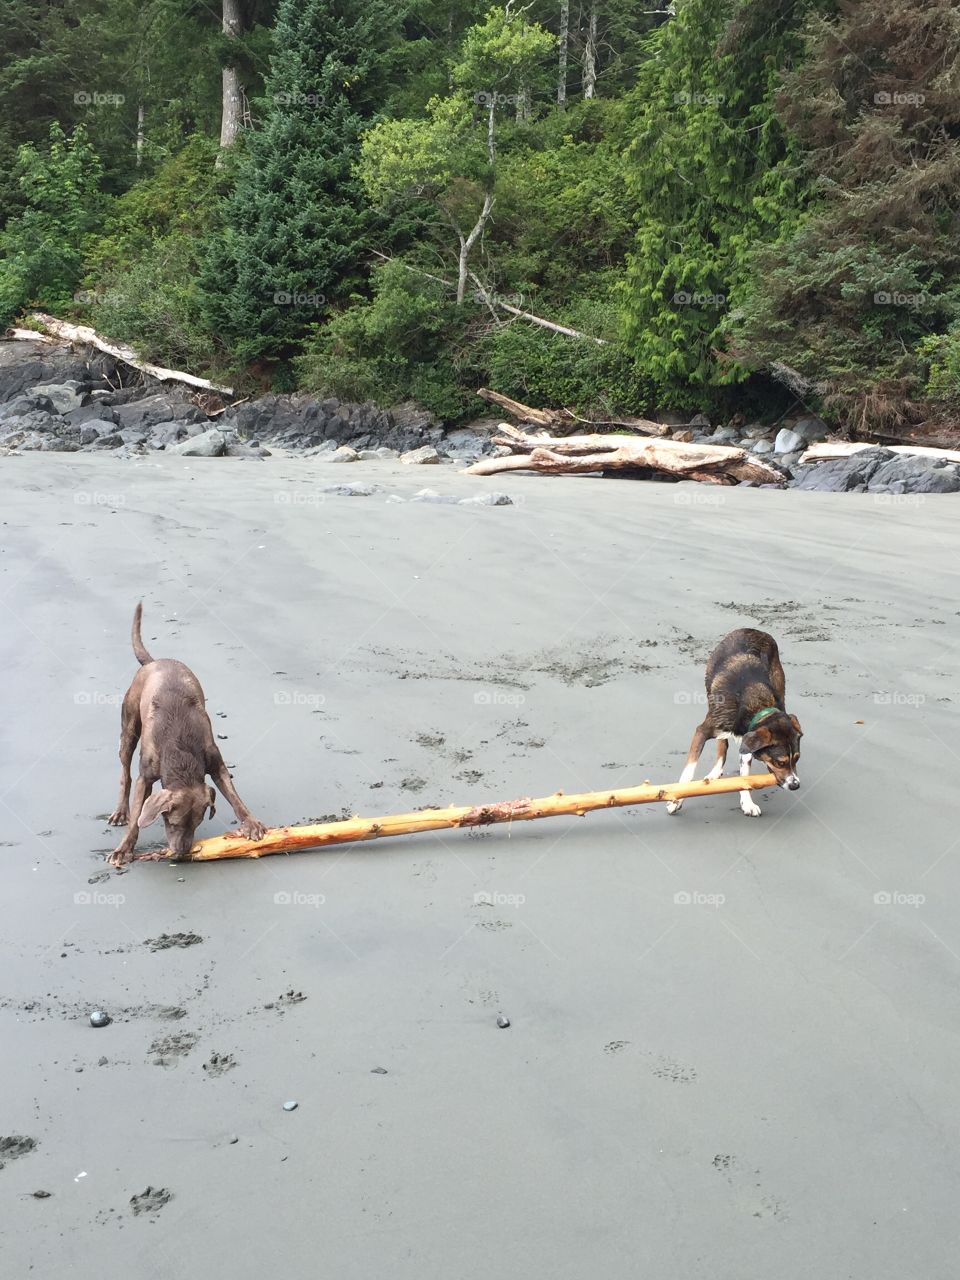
745,692
164,709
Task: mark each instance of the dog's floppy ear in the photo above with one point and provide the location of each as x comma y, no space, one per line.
213,795
796,724
755,741
156,804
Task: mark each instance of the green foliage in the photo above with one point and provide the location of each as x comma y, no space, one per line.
563,212
547,369
848,293
756,186
152,304
705,142
504,56
42,248
141,275
941,354
297,222
395,346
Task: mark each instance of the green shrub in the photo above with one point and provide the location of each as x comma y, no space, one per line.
399,345
549,369
42,249
141,273
941,352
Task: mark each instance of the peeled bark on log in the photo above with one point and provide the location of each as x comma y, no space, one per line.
566,421
84,334
316,835
575,455
840,449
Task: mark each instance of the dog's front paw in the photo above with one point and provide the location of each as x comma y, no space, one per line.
120,856
252,829
119,817
750,809
674,806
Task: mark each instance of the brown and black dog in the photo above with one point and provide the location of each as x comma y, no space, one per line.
164,709
745,692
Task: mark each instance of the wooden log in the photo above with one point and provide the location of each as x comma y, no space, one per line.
830,449
575,455
522,412
316,835
565,420
84,334
30,335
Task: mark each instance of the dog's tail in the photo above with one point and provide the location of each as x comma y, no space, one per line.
141,653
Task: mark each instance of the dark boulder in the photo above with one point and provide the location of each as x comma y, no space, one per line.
840,475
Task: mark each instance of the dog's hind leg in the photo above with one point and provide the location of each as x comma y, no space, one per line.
717,770
703,732
129,737
748,806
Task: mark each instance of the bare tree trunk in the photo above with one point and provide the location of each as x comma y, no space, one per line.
590,54
466,244
523,112
139,135
232,110
564,46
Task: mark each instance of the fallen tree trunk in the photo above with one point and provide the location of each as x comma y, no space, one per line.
316,835
575,455
84,334
30,335
564,419
841,449
492,300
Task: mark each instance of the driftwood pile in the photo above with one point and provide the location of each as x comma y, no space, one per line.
577,455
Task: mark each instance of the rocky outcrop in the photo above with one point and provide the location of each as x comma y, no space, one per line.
54,399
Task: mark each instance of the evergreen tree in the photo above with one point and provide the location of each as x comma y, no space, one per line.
706,141
297,221
848,295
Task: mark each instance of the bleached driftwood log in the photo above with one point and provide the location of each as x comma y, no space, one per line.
564,420
575,455
84,334
30,335
830,449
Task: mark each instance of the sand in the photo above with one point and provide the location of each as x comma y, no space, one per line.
733,1042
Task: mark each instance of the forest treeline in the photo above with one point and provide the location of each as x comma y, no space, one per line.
734,203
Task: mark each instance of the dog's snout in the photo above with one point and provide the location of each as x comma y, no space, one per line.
792,783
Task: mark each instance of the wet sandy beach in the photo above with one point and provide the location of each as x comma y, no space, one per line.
733,1042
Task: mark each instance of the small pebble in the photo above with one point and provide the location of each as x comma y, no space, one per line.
233,1141
503,1022
378,1071
41,1195
290,1106
99,1019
